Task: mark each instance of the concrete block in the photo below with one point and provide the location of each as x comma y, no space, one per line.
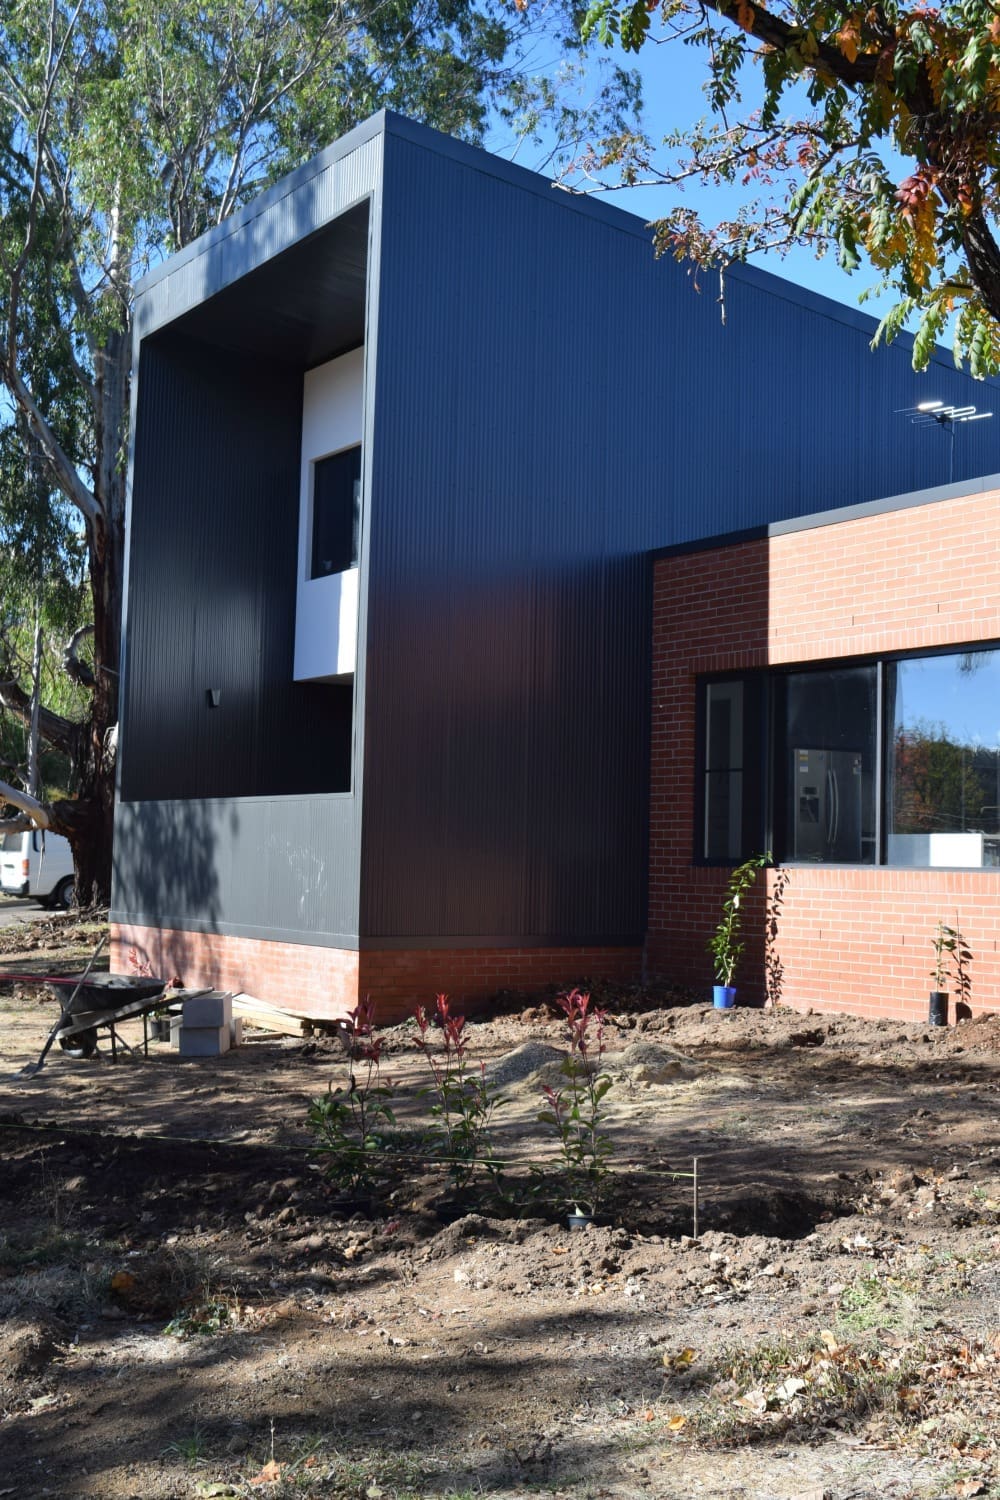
204,1041
208,1010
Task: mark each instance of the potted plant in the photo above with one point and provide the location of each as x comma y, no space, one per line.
942,945
725,945
949,947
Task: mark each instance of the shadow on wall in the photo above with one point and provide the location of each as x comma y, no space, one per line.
166,862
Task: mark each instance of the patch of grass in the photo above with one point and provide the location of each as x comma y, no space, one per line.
191,1448
736,1123
873,1301
70,1293
308,1466
48,1247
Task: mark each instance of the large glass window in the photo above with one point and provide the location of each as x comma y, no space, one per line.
825,735
891,762
944,760
336,522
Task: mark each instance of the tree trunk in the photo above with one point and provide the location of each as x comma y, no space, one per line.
983,255
91,827
36,704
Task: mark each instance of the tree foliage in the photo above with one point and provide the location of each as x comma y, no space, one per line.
874,132
126,129
941,784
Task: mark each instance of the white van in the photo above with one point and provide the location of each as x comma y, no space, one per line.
39,864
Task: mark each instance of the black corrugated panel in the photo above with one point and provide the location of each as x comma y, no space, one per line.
551,402
212,588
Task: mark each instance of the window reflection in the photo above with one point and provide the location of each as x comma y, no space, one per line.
944,762
825,765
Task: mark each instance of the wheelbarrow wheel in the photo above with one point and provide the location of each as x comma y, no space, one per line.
81,1043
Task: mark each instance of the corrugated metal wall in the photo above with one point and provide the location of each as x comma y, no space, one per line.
214,535
238,818
261,867
551,401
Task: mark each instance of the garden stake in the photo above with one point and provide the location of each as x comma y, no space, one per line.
694,1194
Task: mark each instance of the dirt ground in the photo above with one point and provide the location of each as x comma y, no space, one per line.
189,1308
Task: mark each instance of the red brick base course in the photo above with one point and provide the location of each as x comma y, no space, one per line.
326,982
847,940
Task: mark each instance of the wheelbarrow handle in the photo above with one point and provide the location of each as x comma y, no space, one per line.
32,1068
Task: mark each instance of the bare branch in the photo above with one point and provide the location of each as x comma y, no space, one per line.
38,812
76,669
63,471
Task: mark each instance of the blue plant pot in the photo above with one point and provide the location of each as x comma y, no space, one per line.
724,996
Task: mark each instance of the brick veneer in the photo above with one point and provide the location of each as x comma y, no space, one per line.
854,939
327,981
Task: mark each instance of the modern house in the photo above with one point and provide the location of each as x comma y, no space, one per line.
829,689
404,433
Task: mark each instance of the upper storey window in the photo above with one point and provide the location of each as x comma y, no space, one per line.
336,514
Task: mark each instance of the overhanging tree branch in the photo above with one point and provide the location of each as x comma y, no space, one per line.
63,734
39,813
775,32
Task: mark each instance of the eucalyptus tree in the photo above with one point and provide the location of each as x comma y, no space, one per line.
126,129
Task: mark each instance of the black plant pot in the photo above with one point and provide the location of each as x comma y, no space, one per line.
938,1011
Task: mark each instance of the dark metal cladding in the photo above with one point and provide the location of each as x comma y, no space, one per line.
211,624
236,810
544,403
262,867
551,402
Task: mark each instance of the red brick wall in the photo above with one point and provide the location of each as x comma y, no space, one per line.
328,981
319,981
849,939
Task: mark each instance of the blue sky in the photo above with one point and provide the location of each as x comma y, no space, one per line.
672,77
936,690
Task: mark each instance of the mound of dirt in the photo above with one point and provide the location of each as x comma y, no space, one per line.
526,1062
651,1063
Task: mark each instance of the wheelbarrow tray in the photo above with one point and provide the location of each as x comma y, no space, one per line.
69,1024
104,992
92,1001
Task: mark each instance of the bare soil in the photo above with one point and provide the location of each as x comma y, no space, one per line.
189,1308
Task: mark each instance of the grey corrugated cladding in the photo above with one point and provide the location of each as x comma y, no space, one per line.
545,402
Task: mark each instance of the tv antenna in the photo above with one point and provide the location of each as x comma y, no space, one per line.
936,413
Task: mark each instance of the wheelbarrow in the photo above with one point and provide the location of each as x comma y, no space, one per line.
91,1003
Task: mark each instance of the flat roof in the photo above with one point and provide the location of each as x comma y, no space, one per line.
388,123
908,501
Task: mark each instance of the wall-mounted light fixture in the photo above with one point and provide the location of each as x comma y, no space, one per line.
214,696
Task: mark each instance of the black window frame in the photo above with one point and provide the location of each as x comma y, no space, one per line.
756,779
760,681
